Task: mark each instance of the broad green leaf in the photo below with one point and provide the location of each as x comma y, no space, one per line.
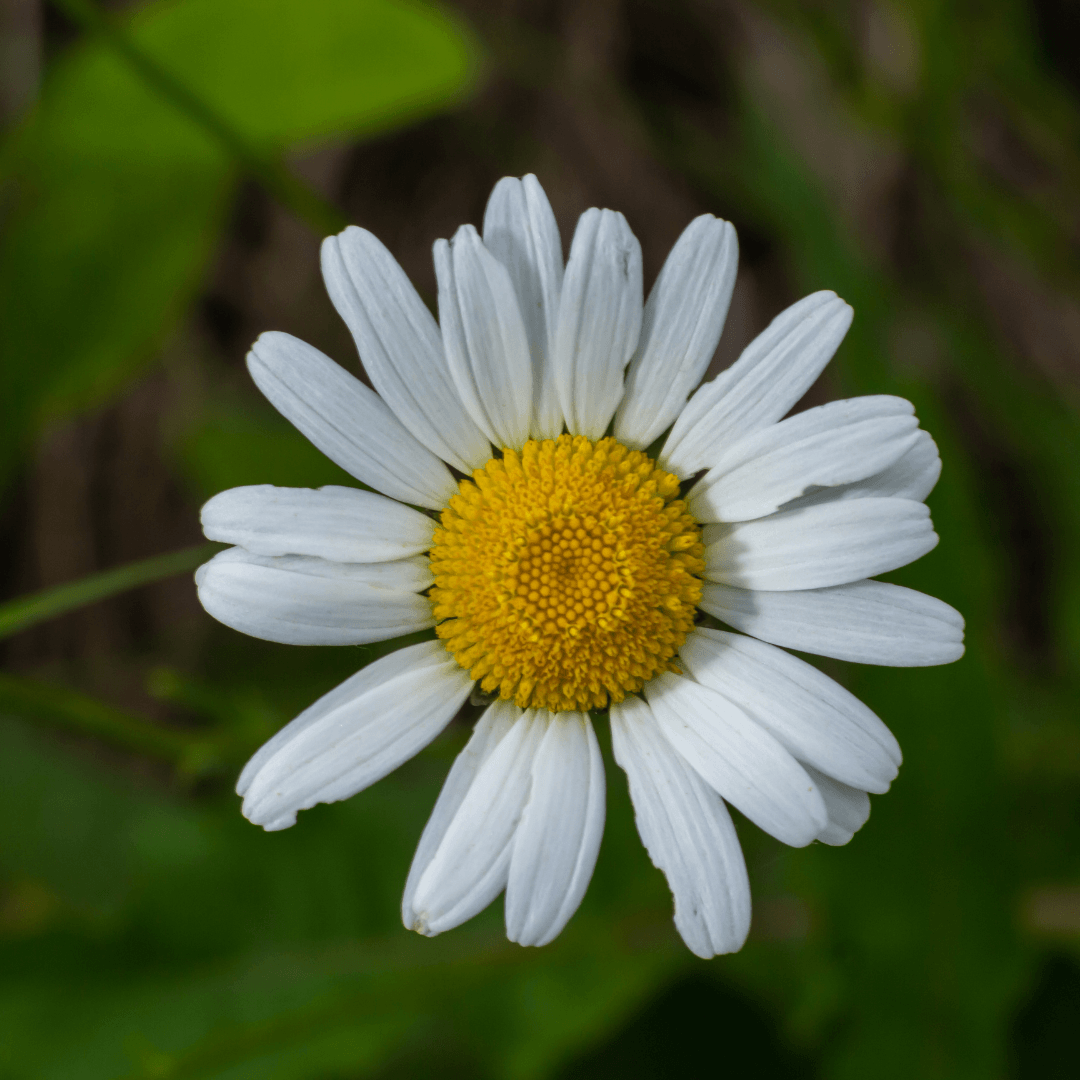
285,73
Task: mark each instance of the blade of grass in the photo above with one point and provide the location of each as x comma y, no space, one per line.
26,611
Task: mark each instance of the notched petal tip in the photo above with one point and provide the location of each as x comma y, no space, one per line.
277,824
354,735
351,234
420,925
200,574
271,343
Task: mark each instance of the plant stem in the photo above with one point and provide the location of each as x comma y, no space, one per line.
189,753
323,217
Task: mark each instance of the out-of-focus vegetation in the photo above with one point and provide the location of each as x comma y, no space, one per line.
162,194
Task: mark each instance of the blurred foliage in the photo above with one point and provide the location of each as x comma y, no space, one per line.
146,930
114,195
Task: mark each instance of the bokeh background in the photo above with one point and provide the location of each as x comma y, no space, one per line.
167,173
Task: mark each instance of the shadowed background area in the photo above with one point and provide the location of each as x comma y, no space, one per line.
165,178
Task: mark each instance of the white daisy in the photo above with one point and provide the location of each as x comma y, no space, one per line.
568,573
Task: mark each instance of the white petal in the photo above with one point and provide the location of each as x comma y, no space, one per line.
355,735
680,329
558,837
868,622
349,423
770,376
811,715
496,721
400,346
817,546
911,476
484,338
848,808
337,523
738,758
687,832
299,600
383,670
833,444
471,864
520,231
599,320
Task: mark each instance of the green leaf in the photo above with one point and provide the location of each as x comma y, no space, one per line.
285,73
114,196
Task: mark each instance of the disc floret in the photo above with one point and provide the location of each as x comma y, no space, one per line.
566,575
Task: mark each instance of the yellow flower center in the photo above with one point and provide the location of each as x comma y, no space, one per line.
565,574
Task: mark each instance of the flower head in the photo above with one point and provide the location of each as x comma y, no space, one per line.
571,571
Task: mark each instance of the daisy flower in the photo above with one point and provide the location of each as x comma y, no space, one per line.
521,498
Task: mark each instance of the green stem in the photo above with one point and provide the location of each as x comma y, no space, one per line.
26,611
69,710
322,216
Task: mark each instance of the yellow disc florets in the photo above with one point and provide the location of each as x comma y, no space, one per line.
565,575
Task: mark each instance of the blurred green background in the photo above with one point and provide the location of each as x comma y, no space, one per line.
165,176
